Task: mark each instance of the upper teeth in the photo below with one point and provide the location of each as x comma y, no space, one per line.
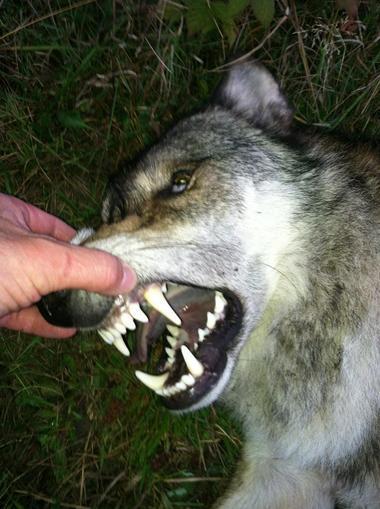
137,313
121,346
120,327
127,320
106,335
170,351
124,321
220,303
174,331
172,341
156,299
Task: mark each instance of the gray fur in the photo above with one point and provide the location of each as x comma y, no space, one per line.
290,223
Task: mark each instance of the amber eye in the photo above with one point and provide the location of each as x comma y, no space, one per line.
180,181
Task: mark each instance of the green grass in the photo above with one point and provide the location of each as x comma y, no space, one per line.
83,87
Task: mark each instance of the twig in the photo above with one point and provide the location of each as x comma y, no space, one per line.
132,483
256,48
302,50
82,484
157,55
178,480
38,496
47,16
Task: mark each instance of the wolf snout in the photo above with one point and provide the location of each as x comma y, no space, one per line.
75,308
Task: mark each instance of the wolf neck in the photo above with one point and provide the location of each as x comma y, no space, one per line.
315,244
323,294
271,234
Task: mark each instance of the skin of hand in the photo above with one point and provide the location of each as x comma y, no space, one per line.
36,259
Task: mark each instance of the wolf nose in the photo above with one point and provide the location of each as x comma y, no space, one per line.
75,308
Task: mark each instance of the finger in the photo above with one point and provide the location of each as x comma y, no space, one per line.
30,320
41,222
67,266
34,219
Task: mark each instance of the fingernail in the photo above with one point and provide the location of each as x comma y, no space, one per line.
129,279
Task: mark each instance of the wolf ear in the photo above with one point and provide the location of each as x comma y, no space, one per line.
251,92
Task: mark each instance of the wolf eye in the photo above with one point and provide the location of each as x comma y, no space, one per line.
180,181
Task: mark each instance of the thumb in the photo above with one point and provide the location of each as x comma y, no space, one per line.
70,267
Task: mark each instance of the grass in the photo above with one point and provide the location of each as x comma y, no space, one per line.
85,85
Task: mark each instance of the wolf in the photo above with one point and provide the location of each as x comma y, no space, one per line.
256,246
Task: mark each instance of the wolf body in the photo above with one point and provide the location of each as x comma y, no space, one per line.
287,220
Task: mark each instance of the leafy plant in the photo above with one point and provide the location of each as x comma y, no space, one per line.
204,16
264,11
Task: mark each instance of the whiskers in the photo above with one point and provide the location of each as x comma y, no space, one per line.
285,276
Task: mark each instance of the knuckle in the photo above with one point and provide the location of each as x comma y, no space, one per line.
66,265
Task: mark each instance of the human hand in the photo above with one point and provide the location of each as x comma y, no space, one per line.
36,259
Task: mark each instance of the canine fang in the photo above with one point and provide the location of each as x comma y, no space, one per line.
154,382
192,363
156,299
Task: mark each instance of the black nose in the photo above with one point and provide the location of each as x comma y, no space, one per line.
75,308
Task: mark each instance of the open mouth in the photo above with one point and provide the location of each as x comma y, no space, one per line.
184,332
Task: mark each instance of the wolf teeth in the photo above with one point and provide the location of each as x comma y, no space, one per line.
127,320
121,346
114,332
169,362
119,301
120,327
106,335
192,363
220,303
154,382
180,386
211,320
130,311
174,330
170,352
172,341
137,313
156,299
202,333
189,380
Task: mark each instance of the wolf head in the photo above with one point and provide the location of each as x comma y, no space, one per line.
206,212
